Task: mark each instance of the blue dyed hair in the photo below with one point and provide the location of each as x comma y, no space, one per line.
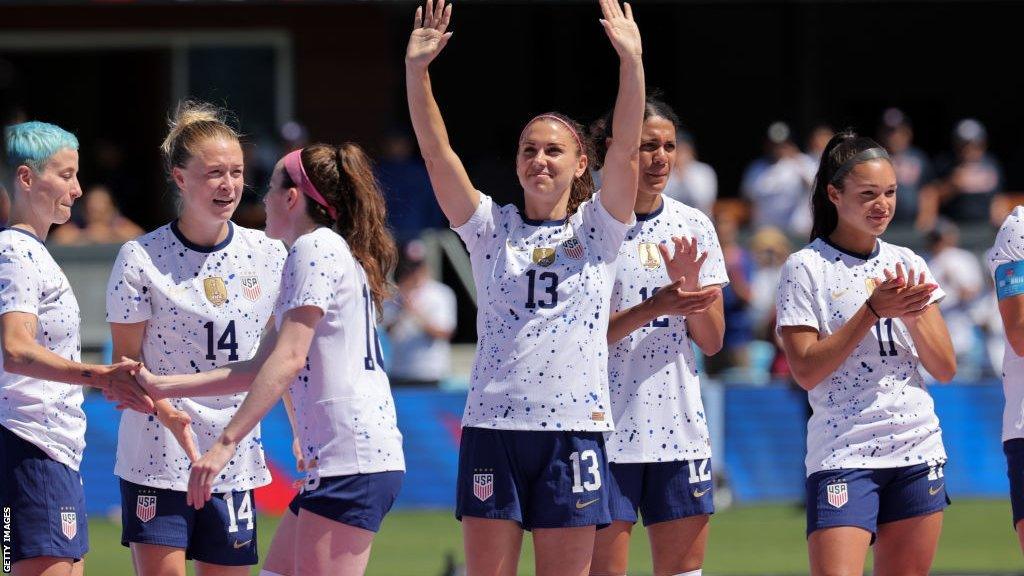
34,143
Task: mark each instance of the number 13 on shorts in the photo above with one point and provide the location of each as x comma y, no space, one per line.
586,471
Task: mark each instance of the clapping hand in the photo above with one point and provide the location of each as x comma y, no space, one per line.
900,295
685,263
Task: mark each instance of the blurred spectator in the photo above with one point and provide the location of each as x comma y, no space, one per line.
817,140
736,295
779,184
770,248
913,169
403,177
691,182
119,179
969,179
103,222
420,321
960,275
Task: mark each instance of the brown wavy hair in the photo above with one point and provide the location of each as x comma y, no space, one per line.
583,187
344,176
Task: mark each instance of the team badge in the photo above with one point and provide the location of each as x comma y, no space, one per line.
145,507
251,288
483,486
838,495
870,284
544,256
650,257
573,248
216,291
69,524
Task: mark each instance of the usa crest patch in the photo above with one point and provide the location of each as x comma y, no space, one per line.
251,288
838,495
573,248
69,524
145,507
483,486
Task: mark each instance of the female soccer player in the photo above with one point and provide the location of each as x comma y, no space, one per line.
660,452
532,454
190,296
1006,261
856,320
42,425
326,206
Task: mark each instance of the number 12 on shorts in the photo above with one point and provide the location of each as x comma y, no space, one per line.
244,511
588,459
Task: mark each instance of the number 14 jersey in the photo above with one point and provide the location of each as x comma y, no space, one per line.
204,307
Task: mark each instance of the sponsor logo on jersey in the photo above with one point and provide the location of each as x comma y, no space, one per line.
483,486
870,284
581,505
145,507
69,524
597,416
251,288
838,495
544,256
698,493
573,248
933,490
216,291
238,544
837,294
649,255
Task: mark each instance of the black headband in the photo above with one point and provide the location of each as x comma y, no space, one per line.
862,156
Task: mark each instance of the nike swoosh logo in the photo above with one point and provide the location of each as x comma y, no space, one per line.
839,294
699,493
242,544
581,505
935,490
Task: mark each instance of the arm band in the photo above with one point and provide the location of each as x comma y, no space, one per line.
1009,279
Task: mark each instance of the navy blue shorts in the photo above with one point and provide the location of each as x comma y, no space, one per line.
1014,450
866,498
538,479
359,500
42,500
222,532
661,491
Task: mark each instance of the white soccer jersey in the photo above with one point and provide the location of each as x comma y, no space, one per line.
343,405
47,414
204,307
543,291
874,411
1009,247
652,373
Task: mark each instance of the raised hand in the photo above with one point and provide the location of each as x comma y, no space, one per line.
117,381
685,263
901,295
621,29
429,34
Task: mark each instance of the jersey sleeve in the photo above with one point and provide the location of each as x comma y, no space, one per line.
712,272
310,278
602,230
128,296
480,229
1009,246
794,302
20,284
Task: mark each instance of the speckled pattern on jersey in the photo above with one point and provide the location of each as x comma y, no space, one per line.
652,373
343,405
543,291
1009,247
47,414
204,307
874,411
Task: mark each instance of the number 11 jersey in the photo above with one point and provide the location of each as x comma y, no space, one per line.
204,307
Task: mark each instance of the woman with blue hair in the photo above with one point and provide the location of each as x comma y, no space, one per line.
42,425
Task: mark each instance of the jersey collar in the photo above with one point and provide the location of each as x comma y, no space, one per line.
20,231
203,249
864,257
651,215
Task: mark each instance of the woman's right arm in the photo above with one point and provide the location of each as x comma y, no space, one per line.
455,194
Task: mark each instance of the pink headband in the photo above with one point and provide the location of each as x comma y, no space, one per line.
293,164
572,130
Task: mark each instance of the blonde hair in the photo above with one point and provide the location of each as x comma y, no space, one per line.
193,122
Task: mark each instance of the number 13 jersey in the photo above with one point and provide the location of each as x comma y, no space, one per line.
543,292
204,307
874,410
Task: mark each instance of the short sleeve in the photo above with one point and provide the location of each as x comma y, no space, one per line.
20,284
1009,245
481,225
129,299
712,272
310,278
794,303
602,230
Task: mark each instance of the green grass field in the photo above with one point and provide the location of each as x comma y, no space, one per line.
748,540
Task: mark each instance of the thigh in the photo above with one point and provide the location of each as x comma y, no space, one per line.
157,560
281,556
678,546
492,546
907,547
327,547
225,532
838,551
564,551
42,566
611,549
